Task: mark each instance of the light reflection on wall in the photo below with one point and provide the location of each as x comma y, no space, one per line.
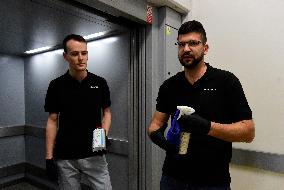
100,43
46,64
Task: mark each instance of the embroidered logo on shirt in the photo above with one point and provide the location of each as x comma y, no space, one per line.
94,87
209,89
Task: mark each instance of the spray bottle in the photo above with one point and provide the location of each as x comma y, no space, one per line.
184,136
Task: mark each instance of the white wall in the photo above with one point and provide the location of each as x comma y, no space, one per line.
187,4
246,38
246,178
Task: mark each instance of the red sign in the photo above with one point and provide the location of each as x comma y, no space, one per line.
149,17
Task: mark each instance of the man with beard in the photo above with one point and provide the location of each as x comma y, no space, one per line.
222,116
78,102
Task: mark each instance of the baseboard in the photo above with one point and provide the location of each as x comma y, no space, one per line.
11,180
26,172
18,173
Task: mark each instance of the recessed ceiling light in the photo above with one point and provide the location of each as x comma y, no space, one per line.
95,35
38,50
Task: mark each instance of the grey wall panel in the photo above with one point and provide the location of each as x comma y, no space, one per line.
171,23
262,160
155,75
133,10
158,64
118,168
12,109
172,63
172,18
35,151
12,150
39,71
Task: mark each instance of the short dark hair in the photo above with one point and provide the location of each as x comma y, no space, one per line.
193,26
75,37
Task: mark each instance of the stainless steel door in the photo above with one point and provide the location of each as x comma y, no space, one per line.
110,58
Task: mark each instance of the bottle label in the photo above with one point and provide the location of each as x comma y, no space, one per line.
99,139
184,139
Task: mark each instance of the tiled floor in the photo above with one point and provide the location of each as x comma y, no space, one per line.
21,186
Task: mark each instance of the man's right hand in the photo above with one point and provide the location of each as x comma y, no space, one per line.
51,169
194,124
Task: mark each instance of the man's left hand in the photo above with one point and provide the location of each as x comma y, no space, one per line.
194,124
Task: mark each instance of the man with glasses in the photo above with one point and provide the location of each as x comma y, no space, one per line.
222,116
78,102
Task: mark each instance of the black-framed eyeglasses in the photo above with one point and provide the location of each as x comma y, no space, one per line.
190,43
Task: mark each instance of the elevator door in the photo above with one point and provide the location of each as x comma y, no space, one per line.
110,58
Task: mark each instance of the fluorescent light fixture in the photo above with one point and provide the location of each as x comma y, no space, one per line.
38,50
88,37
95,35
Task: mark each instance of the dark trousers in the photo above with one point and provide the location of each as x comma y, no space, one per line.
169,183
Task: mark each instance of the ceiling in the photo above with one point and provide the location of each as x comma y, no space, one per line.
30,24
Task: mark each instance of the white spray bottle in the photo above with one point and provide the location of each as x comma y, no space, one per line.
184,136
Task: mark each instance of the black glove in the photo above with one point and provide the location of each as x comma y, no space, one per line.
51,169
194,124
108,143
159,139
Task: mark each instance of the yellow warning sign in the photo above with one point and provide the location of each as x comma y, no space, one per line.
168,30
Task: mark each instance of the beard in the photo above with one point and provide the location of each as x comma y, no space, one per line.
192,63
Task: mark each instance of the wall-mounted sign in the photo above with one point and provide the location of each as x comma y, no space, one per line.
149,18
168,30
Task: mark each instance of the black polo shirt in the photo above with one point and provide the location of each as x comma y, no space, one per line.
79,105
218,96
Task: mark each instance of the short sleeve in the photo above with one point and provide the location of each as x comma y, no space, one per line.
106,102
239,102
164,102
51,99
